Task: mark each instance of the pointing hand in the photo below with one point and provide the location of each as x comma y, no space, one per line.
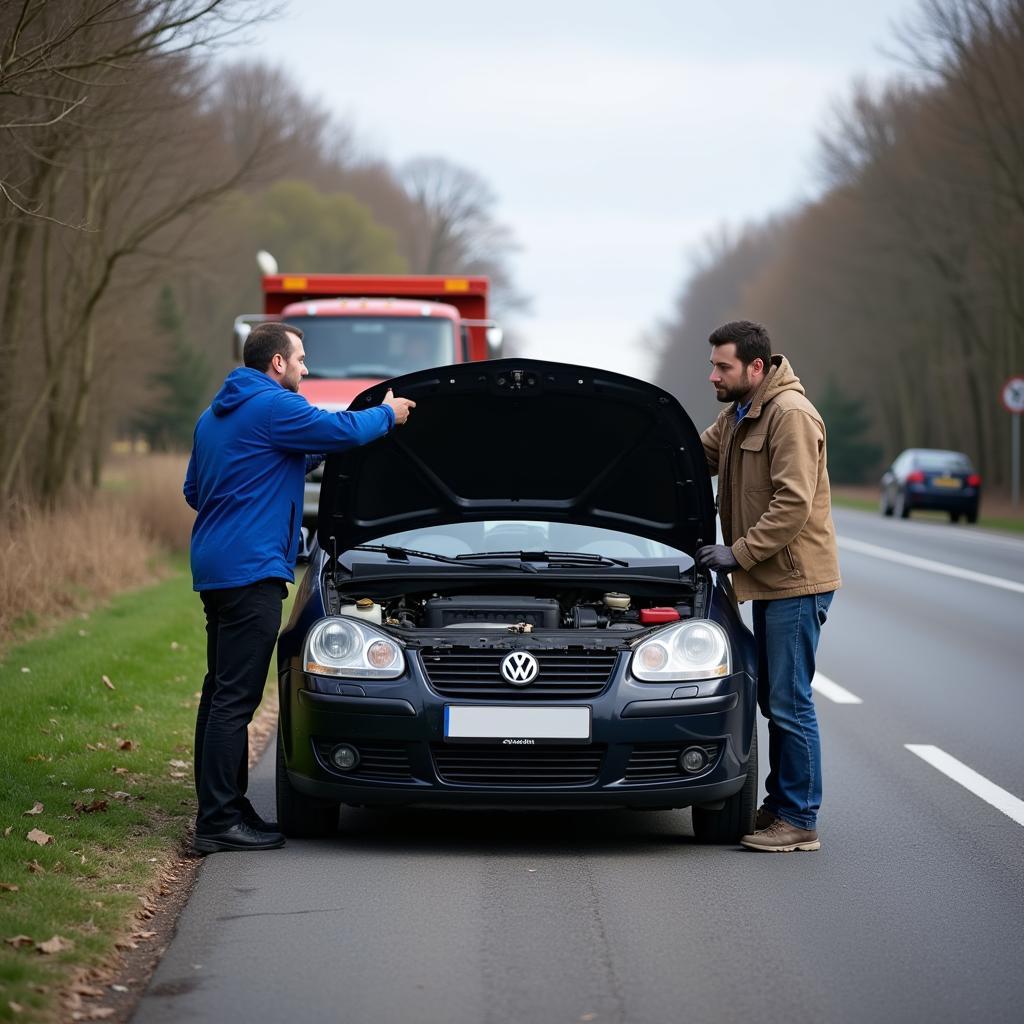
400,407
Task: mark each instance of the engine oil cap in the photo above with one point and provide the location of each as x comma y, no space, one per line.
656,616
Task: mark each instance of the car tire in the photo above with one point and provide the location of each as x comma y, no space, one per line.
736,818
902,508
954,517
300,816
886,507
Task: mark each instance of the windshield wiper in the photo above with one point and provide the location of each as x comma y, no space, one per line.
551,557
397,554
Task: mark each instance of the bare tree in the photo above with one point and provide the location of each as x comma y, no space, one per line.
455,229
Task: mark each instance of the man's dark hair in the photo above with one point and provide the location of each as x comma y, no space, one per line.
751,340
266,341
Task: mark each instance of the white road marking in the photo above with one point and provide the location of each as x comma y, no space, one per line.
836,693
889,555
992,794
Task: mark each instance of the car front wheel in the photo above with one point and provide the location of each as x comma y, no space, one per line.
902,506
298,815
736,818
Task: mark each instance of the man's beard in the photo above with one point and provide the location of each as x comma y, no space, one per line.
292,385
736,394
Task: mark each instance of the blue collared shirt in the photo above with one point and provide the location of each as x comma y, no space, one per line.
741,411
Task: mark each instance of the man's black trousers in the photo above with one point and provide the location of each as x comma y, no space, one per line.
242,624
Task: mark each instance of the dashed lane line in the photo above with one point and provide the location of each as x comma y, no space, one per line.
831,689
928,565
992,794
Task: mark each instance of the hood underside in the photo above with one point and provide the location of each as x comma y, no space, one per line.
523,439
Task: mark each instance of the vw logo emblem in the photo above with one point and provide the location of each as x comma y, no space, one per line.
519,668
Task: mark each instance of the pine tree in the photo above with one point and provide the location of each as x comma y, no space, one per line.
850,457
180,386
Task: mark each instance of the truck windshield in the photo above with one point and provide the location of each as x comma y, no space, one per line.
374,346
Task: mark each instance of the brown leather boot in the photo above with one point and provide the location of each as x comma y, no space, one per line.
781,837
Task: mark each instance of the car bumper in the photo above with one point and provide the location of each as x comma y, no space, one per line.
944,501
637,732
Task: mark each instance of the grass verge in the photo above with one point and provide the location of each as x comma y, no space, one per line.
98,720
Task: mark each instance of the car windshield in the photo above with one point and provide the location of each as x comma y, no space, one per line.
506,535
942,462
371,346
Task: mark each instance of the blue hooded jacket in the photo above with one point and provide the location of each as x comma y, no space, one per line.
246,476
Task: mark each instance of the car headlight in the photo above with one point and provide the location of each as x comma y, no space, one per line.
350,649
696,649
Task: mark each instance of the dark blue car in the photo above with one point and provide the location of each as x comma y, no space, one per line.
932,479
502,609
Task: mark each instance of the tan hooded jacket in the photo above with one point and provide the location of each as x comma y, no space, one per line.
773,491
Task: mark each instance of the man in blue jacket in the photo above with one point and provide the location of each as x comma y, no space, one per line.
245,480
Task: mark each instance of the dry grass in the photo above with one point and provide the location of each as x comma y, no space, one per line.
56,563
150,487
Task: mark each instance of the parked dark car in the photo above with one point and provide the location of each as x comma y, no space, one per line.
502,609
929,478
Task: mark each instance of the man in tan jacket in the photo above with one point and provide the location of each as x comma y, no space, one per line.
768,449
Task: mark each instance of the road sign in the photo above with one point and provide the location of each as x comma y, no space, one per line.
1013,401
1013,395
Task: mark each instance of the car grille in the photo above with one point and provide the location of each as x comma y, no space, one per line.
659,762
382,761
471,672
489,765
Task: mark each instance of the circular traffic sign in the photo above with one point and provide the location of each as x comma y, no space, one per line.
1013,395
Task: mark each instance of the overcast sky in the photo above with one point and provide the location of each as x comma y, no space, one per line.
615,134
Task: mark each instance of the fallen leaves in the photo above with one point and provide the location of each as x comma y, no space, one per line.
8,887
179,764
107,683
8,831
17,941
35,867
81,807
39,837
36,808
127,745
96,1013
58,944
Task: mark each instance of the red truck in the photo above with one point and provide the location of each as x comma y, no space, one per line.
360,329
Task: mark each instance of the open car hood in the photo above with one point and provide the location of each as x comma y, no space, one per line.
523,439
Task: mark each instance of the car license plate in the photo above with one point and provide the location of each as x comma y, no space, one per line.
527,724
945,481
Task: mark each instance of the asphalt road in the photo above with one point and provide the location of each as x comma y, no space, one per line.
912,911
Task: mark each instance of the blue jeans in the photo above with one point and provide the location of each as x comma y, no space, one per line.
786,632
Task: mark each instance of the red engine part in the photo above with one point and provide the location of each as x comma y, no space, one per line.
656,616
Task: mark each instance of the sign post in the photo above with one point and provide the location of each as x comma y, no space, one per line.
1013,401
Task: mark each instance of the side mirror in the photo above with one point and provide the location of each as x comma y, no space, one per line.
304,546
494,338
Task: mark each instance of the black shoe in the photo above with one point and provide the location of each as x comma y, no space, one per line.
251,818
238,837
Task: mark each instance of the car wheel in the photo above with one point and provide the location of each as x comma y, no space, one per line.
902,506
954,517
736,818
298,815
886,507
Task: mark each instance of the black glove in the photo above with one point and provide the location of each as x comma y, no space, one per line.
718,557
